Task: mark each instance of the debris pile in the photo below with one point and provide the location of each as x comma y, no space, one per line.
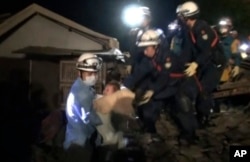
225,129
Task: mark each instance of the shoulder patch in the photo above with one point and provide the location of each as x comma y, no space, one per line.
204,35
168,63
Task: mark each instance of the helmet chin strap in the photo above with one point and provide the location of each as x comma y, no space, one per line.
81,76
157,48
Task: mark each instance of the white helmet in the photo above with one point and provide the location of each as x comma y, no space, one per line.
149,38
178,9
189,9
225,25
89,62
225,21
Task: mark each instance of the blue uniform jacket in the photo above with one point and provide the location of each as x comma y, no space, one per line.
226,44
143,74
81,116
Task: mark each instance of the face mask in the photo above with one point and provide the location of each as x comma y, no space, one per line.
223,30
90,80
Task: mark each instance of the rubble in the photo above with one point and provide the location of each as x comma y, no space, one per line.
231,127
225,129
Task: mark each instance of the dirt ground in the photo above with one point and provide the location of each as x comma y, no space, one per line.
230,127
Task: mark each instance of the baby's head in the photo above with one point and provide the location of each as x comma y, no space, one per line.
111,87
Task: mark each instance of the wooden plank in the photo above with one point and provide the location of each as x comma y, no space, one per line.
231,85
232,92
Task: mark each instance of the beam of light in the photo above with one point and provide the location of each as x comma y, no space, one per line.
70,103
172,26
132,16
243,55
243,47
222,22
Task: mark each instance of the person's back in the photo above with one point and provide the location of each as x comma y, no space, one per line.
226,43
180,48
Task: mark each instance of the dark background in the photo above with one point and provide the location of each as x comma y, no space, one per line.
104,16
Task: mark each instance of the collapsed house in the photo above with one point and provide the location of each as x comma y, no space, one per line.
41,46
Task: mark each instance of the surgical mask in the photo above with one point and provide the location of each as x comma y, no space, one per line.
90,80
223,30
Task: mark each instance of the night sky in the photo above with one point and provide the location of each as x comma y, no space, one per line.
103,16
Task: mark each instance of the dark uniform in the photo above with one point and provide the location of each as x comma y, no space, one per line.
185,87
230,46
227,47
208,54
148,74
142,79
164,75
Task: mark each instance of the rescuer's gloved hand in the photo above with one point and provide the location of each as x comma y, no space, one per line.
191,70
138,96
146,97
235,71
142,97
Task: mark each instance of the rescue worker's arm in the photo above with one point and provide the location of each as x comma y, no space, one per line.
236,57
204,39
160,82
140,72
235,52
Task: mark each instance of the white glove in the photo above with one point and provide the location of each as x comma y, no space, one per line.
146,97
235,71
191,70
123,87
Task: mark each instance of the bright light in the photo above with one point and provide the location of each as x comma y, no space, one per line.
172,26
222,22
132,16
244,55
244,47
74,112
